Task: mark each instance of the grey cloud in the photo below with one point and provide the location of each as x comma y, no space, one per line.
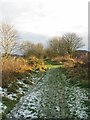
10,10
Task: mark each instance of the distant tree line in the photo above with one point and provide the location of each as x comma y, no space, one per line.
30,49
57,46
67,44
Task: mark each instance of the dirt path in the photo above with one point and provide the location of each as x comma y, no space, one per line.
52,97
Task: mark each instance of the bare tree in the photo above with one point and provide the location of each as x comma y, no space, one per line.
30,49
57,46
54,45
8,39
62,48
27,48
72,42
39,50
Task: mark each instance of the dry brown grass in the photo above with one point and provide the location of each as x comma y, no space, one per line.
67,60
12,67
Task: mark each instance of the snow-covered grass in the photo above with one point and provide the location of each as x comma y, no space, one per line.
12,94
76,97
2,107
55,83
76,101
55,96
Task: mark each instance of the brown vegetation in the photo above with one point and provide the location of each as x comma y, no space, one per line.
62,50
76,67
12,68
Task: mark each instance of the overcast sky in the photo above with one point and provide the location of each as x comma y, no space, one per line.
47,17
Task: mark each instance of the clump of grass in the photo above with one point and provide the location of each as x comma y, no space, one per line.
19,95
78,74
20,85
26,81
10,105
13,88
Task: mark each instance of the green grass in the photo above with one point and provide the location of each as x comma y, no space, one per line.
51,64
10,105
74,79
48,61
20,85
85,83
26,81
19,96
13,88
0,116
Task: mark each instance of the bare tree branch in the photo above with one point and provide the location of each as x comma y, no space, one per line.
8,38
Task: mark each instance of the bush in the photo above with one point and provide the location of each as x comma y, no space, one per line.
14,68
37,64
11,68
78,73
67,60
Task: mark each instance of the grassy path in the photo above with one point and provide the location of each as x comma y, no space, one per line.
52,97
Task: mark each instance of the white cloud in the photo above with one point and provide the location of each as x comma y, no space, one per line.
47,17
